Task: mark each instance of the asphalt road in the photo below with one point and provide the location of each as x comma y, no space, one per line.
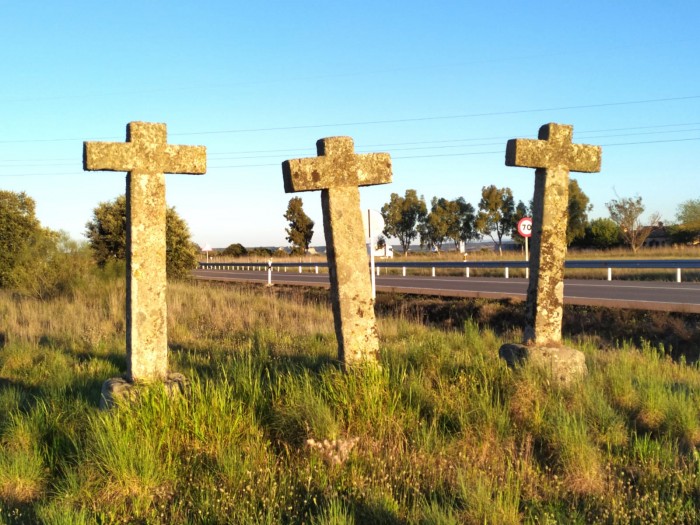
645,295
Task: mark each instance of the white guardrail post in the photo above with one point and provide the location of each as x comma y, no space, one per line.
403,271
609,274
678,275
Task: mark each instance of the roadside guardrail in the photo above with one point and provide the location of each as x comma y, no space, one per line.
270,266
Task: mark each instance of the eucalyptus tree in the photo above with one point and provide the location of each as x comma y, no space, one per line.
402,216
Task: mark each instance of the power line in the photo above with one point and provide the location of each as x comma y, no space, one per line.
442,144
445,117
389,121
364,147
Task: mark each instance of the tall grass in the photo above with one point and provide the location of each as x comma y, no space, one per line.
271,430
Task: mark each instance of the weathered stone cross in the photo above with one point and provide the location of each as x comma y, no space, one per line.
146,156
554,156
338,172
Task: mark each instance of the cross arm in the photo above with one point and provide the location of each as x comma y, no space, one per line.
333,172
107,156
129,156
190,160
554,149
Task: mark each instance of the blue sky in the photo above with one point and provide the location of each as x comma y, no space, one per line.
441,86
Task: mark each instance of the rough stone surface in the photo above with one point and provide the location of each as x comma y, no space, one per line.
566,365
119,389
146,157
338,172
553,156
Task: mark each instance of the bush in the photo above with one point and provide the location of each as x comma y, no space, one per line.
601,234
234,250
106,233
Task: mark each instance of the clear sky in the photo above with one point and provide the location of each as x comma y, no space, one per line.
439,85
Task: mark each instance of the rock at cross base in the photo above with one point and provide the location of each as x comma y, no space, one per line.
566,365
553,156
146,157
338,172
118,389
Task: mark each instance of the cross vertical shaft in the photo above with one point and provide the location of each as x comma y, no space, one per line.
146,157
553,156
146,307
338,172
353,311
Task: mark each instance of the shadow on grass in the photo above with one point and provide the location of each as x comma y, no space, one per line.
208,363
78,376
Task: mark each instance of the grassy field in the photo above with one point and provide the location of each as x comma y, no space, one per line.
272,431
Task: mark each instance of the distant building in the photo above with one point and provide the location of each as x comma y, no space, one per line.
384,252
658,238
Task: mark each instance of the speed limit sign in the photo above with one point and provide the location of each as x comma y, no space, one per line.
525,227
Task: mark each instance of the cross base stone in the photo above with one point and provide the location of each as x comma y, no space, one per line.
565,364
118,389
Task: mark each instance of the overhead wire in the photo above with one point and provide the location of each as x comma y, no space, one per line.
387,121
471,142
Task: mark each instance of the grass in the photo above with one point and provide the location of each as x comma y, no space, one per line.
443,433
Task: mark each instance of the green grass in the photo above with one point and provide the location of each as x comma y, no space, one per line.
443,433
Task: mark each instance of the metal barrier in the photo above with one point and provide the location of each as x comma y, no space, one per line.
677,264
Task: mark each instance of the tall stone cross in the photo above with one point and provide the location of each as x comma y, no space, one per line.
146,157
553,156
338,172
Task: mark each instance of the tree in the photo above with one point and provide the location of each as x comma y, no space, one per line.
496,214
235,250
579,206
467,218
301,227
441,223
402,215
626,213
602,233
521,211
106,234
19,233
180,252
34,260
688,217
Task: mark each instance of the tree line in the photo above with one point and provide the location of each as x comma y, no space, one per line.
408,219
38,261
41,262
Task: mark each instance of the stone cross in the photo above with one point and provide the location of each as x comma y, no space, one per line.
553,156
146,156
338,172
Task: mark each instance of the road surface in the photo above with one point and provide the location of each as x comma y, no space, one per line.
645,295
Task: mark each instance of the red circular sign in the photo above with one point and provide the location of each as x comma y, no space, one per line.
525,227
